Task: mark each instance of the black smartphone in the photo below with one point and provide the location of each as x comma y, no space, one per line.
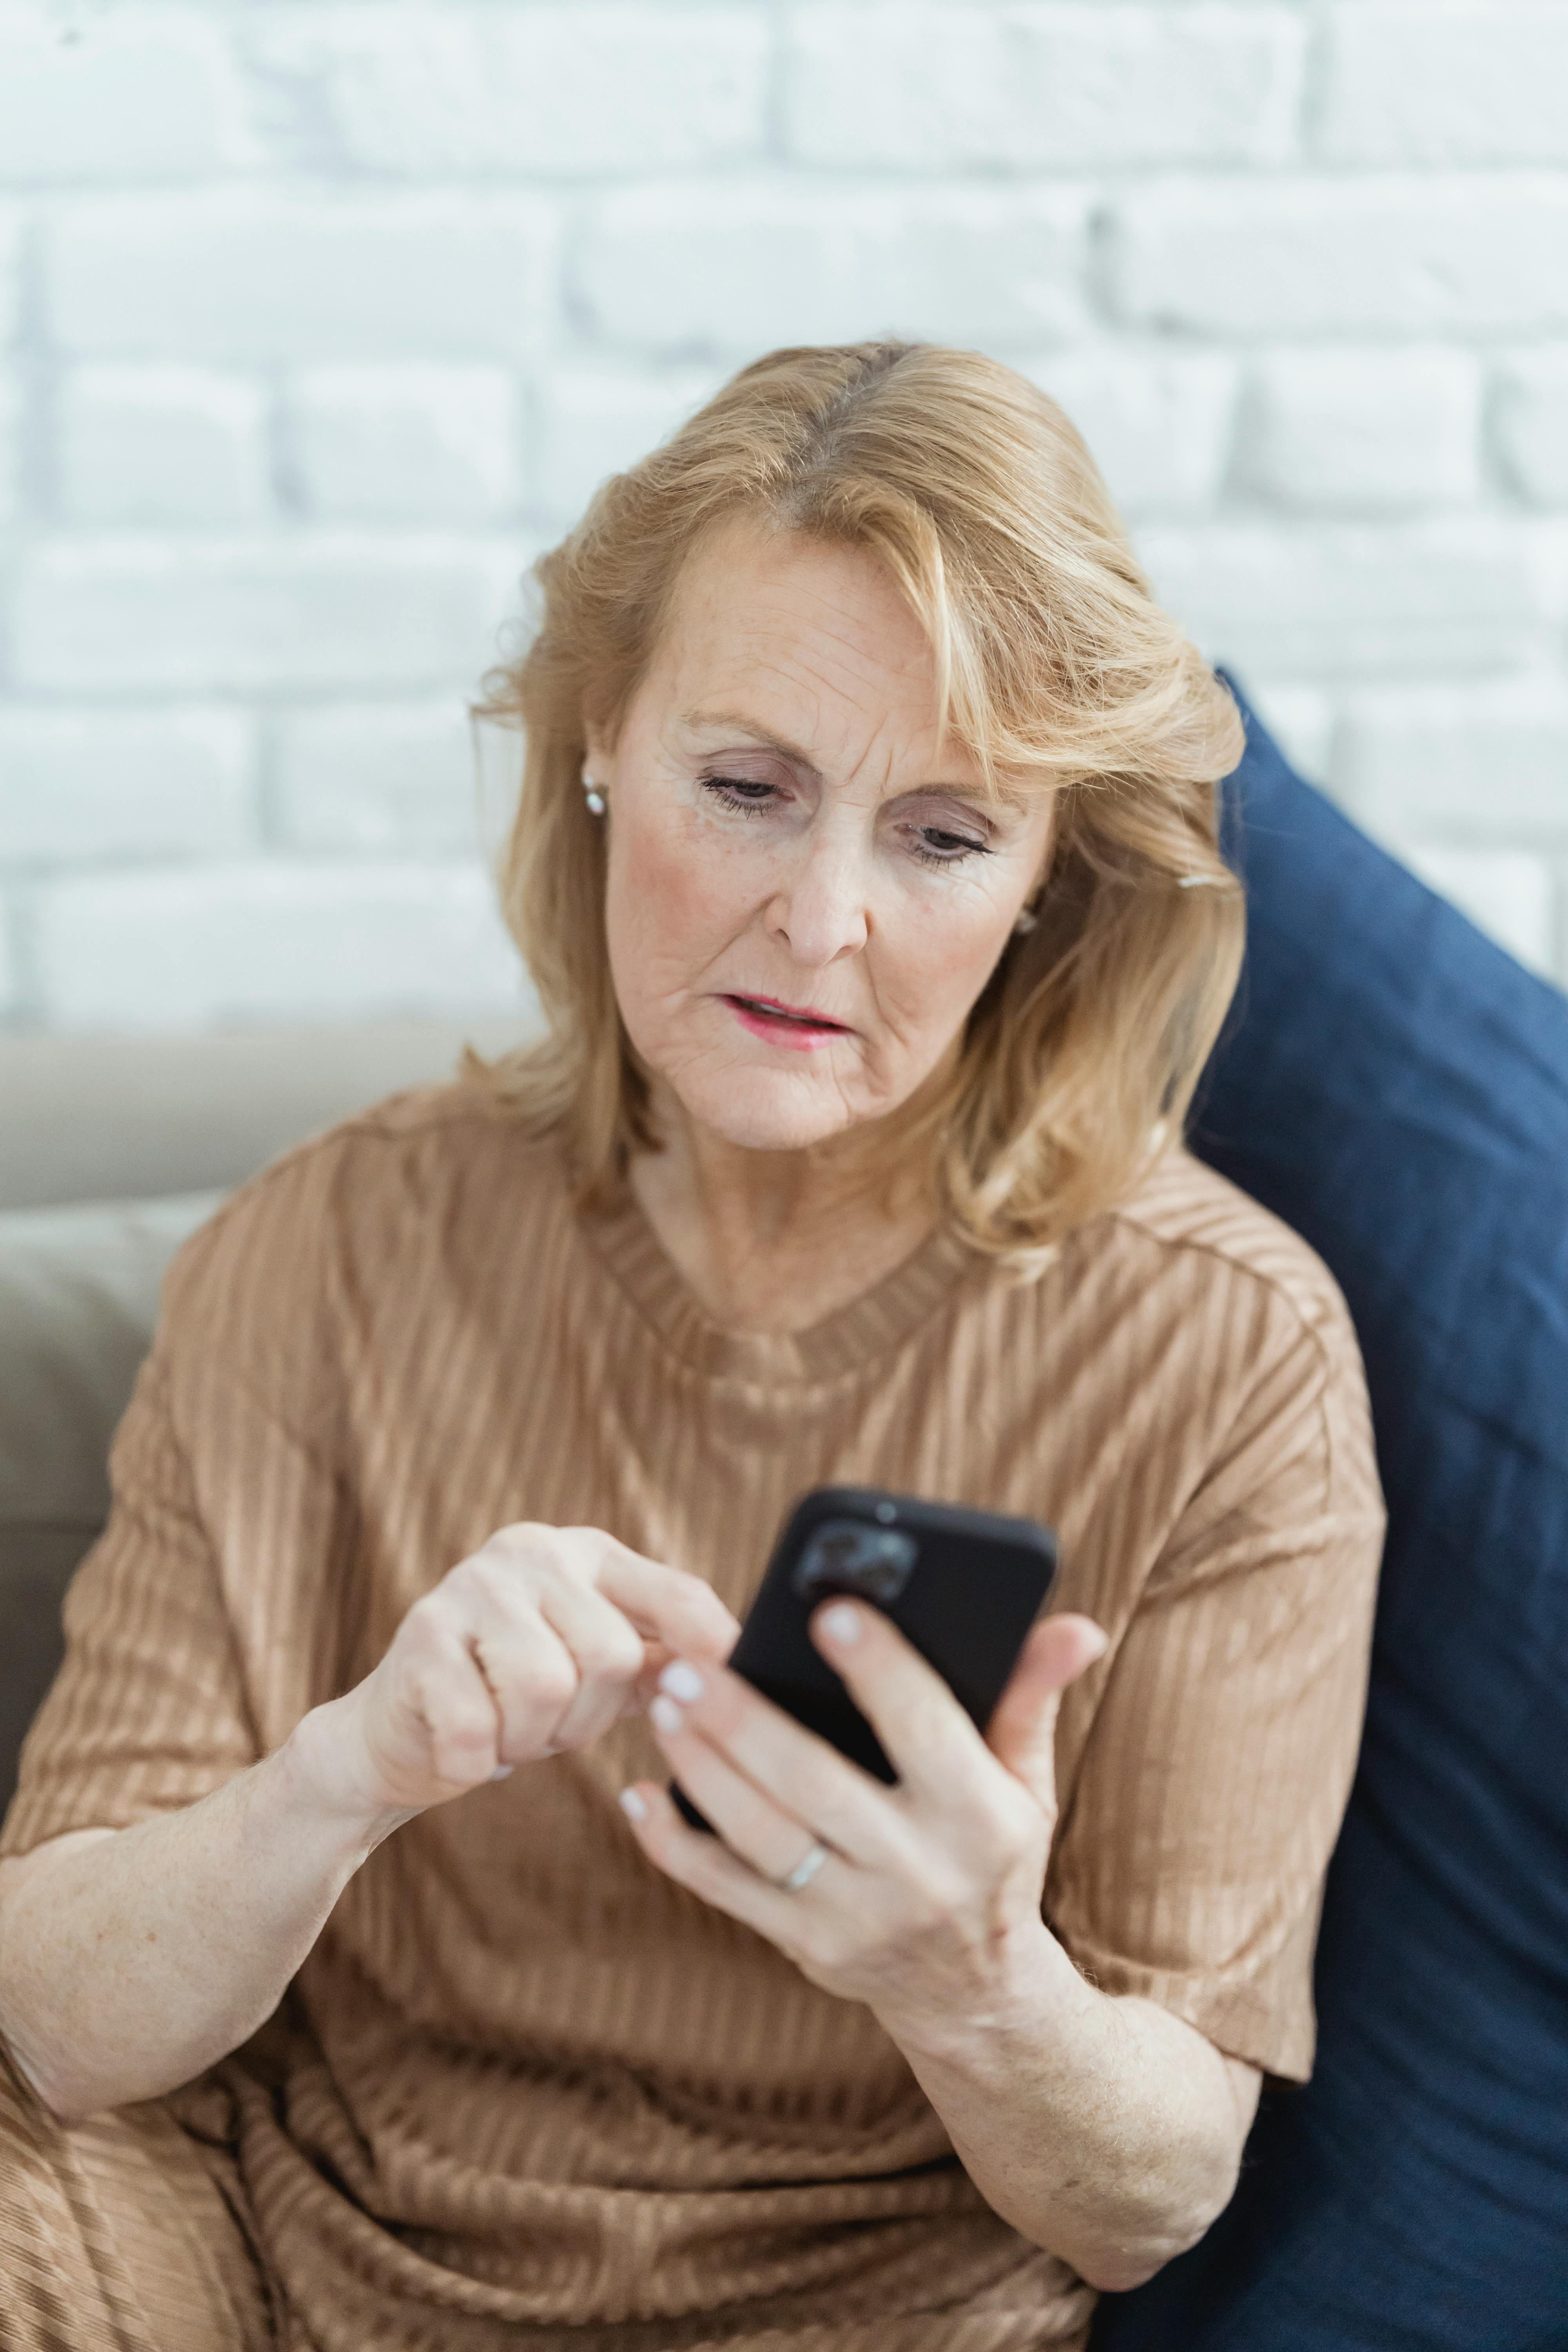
964,1587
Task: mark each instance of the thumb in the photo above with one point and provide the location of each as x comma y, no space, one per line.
1023,1729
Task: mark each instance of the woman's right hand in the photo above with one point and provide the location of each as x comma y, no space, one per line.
131,1959
539,1642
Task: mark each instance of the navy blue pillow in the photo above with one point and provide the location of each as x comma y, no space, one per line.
1396,1088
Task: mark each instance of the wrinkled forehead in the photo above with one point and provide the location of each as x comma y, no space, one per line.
811,640
750,591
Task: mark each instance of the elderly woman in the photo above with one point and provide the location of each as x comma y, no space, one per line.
361,1983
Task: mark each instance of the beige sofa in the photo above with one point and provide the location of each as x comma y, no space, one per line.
110,1152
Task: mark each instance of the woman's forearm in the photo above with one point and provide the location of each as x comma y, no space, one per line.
129,1962
1104,2128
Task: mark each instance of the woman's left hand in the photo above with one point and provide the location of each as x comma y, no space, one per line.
926,1904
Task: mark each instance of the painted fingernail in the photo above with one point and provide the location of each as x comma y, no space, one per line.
503,1773
634,1805
841,1624
666,1714
681,1680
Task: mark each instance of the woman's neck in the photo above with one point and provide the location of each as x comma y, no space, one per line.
775,1241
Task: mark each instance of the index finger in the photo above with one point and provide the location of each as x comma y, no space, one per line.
668,1605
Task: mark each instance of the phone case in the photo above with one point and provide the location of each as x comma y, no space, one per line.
962,1586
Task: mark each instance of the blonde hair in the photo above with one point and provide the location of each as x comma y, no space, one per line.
1053,664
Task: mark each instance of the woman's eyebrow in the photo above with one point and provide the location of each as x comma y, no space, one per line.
737,722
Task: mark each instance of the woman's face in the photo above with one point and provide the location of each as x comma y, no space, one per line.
806,895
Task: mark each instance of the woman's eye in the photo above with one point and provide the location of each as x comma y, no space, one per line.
744,793
936,846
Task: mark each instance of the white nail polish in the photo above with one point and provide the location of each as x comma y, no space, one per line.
666,1714
842,1624
633,1805
681,1680
503,1773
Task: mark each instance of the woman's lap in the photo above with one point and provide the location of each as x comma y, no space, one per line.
115,2237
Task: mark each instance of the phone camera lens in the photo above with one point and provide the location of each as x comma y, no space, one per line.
848,1556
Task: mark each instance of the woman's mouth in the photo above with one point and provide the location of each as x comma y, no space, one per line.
785,1024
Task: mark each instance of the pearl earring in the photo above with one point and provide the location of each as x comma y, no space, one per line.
592,795
1025,923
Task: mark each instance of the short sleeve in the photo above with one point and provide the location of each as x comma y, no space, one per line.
148,1712
202,1623
1203,1811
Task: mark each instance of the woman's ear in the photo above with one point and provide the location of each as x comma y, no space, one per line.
598,743
1051,854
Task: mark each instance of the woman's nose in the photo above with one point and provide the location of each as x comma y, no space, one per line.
821,911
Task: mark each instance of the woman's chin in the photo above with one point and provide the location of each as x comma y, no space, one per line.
762,1112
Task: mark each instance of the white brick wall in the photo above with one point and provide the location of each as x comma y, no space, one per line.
377,777
148,94
10,274
1084,87
259,273
316,321
303,611
1444,83
160,446
1469,255
571,91
13,411
1363,432
429,444
80,788
1532,425
269,939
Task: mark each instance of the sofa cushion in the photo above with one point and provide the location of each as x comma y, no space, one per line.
1396,1088
79,1296
115,1118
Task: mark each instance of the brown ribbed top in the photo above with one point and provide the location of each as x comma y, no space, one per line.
525,2090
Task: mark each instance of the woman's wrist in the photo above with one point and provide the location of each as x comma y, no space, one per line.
1031,1992
327,1766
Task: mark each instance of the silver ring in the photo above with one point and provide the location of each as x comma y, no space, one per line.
805,1869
